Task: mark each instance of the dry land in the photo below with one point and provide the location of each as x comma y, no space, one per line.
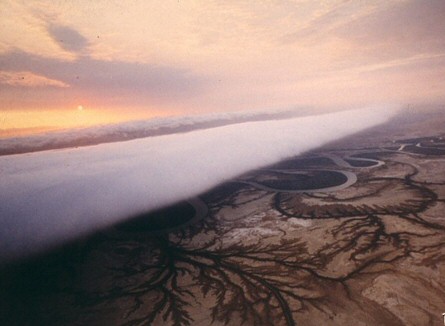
350,234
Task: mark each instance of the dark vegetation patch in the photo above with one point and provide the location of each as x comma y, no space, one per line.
361,164
424,150
314,180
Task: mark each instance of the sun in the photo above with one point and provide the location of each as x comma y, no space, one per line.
80,108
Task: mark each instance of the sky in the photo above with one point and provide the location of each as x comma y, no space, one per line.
79,63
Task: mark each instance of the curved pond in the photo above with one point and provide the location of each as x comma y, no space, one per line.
303,181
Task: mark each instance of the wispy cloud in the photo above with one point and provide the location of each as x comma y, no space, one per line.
110,81
28,79
403,29
318,27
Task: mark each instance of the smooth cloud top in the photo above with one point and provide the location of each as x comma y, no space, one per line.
50,197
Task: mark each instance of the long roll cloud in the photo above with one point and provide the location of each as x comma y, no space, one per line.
50,197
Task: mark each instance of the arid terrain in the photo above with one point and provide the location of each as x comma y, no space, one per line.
350,234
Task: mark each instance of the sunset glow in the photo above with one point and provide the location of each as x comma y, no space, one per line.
186,57
23,122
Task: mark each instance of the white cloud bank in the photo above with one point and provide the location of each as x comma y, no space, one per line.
47,198
137,129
